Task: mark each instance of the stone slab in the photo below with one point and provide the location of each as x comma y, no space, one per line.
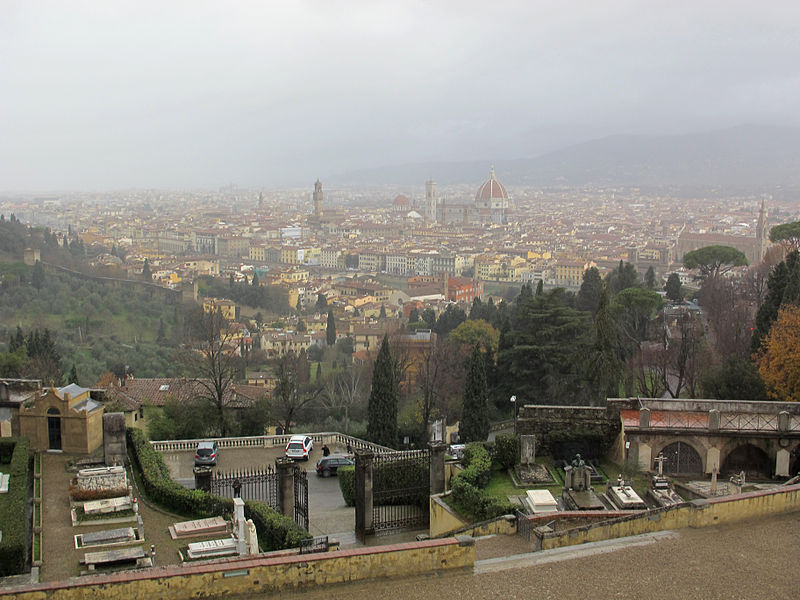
210,548
198,527
107,505
587,500
106,557
541,501
109,536
4,481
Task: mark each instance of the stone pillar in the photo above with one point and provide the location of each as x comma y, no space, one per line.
437,467
782,462
713,420
239,526
285,467
644,454
202,478
527,449
783,421
644,417
364,524
712,460
114,443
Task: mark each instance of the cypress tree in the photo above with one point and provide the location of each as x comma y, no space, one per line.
73,375
382,404
147,274
540,288
330,329
475,413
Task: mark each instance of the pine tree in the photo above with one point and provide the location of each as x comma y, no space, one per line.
650,278
73,375
330,329
255,279
382,403
475,413
540,288
673,288
589,294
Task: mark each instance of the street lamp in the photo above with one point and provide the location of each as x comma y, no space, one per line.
514,408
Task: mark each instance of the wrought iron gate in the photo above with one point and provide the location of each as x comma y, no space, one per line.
401,490
301,498
523,525
681,458
260,484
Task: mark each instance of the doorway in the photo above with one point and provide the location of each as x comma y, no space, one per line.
54,429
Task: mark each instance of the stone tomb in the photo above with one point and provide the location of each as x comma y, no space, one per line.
541,501
212,548
110,537
121,556
577,493
198,528
102,478
624,497
107,505
4,481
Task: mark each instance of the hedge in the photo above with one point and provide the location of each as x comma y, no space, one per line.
506,450
347,483
407,476
275,531
468,486
478,465
14,545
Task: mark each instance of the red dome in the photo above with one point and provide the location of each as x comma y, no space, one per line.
491,189
401,201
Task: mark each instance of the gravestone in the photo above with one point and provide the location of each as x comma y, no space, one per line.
110,536
5,428
527,449
109,557
114,442
623,496
198,527
4,481
541,501
577,493
107,505
212,548
239,525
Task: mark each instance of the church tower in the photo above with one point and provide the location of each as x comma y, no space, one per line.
317,200
762,236
430,200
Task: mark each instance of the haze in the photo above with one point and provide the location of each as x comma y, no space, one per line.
108,95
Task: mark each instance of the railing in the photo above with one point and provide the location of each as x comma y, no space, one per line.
270,441
728,421
748,422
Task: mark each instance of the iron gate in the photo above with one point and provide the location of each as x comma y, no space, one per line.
523,525
401,490
301,497
261,485
682,459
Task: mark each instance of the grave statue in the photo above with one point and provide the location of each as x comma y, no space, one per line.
578,461
578,476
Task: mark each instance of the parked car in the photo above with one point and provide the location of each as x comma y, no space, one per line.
328,465
206,454
299,447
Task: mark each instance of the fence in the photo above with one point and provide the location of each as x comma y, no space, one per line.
401,488
260,484
270,441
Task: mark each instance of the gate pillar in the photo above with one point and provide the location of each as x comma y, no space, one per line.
782,462
437,467
364,517
712,460
285,467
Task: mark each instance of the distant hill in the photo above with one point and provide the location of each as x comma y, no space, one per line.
744,156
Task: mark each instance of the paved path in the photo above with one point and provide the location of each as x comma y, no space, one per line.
757,559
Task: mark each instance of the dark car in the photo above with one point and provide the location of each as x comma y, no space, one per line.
328,465
206,453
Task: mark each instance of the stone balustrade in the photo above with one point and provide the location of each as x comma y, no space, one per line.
270,441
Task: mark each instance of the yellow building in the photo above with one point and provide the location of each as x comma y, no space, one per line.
64,418
226,307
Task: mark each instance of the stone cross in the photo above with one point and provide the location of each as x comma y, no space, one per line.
660,460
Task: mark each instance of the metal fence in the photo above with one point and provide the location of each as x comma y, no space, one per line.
401,490
257,484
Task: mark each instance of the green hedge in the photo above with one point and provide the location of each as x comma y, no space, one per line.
275,531
477,465
506,450
14,545
474,501
347,483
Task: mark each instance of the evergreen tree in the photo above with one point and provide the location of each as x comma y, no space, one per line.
673,288
330,329
161,338
413,315
540,288
605,366
451,318
255,279
322,302
37,275
301,326
382,403
382,314
650,278
589,294
429,316
777,284
231,281
318,373
147,274
475,413
73,375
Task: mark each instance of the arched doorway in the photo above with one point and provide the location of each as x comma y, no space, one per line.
682,459
54,428
748,458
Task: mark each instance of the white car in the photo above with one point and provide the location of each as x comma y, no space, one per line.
299,447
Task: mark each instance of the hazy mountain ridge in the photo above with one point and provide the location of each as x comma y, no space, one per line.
744,156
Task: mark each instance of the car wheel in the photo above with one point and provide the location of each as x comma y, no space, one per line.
326,472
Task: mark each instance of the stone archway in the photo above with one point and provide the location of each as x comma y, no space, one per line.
682,459
54,428
751,459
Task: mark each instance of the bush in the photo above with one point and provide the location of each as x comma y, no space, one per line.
478,465
506,450
275,531
14,545
473,501
347,483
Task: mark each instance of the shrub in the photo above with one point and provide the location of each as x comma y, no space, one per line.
347,483
478,465
275,531
473,501
506,450
14,545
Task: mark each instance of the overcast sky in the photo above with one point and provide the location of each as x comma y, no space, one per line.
107,94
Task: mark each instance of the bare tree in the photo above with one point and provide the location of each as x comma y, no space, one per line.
345,391
291,393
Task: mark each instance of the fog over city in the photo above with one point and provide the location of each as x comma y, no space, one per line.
109,95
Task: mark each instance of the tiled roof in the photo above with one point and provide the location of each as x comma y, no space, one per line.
136,392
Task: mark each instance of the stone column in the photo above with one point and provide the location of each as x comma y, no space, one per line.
784,419
712,460
782,462
285,467
364,523
437,467
713,420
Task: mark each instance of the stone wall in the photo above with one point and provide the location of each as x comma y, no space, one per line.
260,575
559,424
103,478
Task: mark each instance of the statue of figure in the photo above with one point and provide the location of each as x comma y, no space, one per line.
578,461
